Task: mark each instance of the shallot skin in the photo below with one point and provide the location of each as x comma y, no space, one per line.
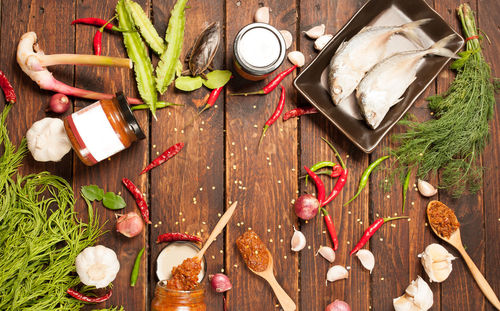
130,225
338,305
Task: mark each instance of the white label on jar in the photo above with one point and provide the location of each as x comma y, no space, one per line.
96,132
259,47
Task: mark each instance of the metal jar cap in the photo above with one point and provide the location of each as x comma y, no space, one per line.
259,48
129,116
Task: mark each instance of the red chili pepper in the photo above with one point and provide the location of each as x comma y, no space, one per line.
297,112
164,157
336,171
370,231
271,85
319,184
177,236
212,99
342,179
331,228
97,42
8,90
139,199
95,22
276,114
77,295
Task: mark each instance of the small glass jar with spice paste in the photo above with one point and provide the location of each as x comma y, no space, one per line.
258,49
102,129
178,300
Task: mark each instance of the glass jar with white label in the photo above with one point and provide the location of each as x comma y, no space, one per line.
102,129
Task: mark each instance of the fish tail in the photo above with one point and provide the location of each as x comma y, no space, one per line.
438,48
409,30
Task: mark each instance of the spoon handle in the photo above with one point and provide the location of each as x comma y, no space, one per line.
481,281
285,301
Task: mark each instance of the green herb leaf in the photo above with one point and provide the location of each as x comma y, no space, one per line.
113,201
92,192
217,78
188,84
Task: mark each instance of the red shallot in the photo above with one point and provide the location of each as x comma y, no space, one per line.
220,282
306,206
59,103
338,305
130,225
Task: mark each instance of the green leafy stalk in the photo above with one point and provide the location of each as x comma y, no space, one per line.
455,139
148,32
169,64
136,50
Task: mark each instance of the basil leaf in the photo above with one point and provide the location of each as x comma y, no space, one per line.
92,192
217,78
186,83
113,201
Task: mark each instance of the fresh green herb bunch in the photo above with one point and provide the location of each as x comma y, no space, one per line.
455,139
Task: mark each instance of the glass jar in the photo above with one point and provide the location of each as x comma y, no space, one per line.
176,300
258,49
102,129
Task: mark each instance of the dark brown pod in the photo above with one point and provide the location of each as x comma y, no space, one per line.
204,49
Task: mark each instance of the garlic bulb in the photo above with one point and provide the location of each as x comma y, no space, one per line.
47,140
298,241
418,297
336,273
287,36
97,266
327,252
320,43
367,259
262,15
296,58
437,262
316,31
426,189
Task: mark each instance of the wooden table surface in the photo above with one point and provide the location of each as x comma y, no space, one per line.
219,164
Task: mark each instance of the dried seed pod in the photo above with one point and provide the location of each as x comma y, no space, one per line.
336,273
320,43
367,259
298,241
437,262
326,252
297,58
426,189
262,15
287,36
316,31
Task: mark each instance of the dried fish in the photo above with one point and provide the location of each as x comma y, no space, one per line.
204,50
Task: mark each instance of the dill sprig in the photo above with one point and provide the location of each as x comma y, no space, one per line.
456,137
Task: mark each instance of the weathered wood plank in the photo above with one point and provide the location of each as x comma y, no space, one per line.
127,163
263,180
187,192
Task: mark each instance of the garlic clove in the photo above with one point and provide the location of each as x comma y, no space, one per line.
298,241
320,43
366,258
296,58
316,31
287,36
436,261
426,189
326,252
418,297
402,303
262,15
336,273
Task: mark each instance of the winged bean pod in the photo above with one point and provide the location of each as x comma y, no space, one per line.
136,50
146,28
168,66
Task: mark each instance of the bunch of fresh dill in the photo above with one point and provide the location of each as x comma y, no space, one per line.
455,139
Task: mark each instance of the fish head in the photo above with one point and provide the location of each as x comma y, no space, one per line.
341,87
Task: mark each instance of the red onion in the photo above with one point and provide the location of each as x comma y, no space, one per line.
59,103
338,305
130,225
306,206
220,282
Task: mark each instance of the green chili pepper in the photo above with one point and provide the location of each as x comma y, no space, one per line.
365,176
148,32
325,172
159,105
135,269
169,64
320,165
136,50
405,188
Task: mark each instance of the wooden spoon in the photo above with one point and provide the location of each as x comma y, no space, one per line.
285,301
456,241
217,230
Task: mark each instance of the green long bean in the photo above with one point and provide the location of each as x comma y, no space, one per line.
365,176
146,28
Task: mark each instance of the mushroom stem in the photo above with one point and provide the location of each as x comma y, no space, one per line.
81,59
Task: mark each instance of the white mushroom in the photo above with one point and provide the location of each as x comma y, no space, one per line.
97,266
47,140
437,262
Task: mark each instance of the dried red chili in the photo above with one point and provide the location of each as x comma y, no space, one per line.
164,157
271,85
276,114
177,236
8,90
96,22
139,199
77,295
297,112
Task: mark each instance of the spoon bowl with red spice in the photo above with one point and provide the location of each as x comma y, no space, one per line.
445,225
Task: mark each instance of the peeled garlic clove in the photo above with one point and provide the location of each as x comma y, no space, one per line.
336,273
298,241
403,304
367,259
316,31
287,36
437,262
426,189
320,43
296,58
326,252
418,297
262,15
